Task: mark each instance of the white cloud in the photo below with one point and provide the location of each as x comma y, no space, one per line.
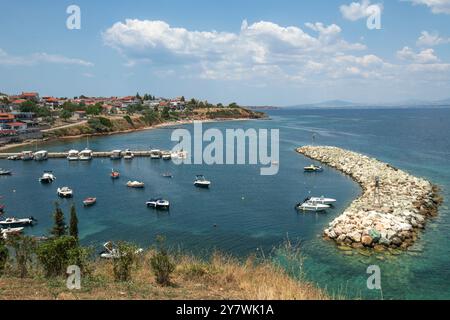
436,6
36,58
424,56
359,10
427,39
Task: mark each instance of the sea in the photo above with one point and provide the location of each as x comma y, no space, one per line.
245,213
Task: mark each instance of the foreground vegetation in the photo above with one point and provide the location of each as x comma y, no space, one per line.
31,269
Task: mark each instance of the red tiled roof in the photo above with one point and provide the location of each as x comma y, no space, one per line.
29,94
19,101
16,124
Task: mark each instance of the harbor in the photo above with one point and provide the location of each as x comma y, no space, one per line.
392,208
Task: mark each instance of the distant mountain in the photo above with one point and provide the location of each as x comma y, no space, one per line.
347,104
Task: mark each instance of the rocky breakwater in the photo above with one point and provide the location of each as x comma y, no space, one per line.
393,207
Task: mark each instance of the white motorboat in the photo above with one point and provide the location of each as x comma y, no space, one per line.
158,203
201,182
65,192
14,157
155,154
73,155
116,155
312,206
85,155
5,233
41,155
135,184
128,155
47,177
313,168
323,200
27,155
4,172
15,222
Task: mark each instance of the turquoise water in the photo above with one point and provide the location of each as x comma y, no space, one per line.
244,212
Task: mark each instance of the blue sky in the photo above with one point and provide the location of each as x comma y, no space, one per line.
253,52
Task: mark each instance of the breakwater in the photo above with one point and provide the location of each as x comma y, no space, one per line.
392,208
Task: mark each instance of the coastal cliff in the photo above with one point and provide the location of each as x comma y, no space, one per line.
389,213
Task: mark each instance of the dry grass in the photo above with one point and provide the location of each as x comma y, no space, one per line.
220,278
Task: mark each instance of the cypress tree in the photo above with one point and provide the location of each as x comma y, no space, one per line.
73,226
59,227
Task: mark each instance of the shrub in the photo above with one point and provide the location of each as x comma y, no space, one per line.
161,264
123,263
57,254
3,256
24,248
129,120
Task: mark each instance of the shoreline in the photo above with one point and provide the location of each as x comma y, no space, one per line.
387,217
6,148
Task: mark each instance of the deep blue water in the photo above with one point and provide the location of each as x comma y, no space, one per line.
245,212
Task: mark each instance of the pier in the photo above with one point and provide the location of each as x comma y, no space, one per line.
99,154
392,208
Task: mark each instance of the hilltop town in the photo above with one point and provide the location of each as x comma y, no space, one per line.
29,116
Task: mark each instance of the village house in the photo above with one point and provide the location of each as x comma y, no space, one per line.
31,96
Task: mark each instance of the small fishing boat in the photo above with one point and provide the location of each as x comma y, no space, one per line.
4,172
15,222
155,154
158,204
166,155
201,182
27,155
115,174
313,168
128,155
312,206
323,200
85,155
167,175
73,155
116,155
41,155
135,184
89,202
65,192
14,157
5,233
47,177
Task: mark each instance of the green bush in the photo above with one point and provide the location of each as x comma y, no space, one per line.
57,254
161,264
23,248
100,124
129,120
3,256
124,262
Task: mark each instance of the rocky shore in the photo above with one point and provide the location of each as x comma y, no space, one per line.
389,213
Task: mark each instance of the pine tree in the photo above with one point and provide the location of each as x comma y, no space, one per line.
73,226
59,227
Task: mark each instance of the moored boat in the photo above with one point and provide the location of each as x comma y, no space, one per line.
89,201
313,168
47,177
27,155
15,222
158,204
155,154
201,182
41,155
65,192
128,155
73,155
116,155
166,155
14,157
4,172
5,233
167,175
135,184
85,155
115,174
312,206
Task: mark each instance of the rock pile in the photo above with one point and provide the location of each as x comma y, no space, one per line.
394,205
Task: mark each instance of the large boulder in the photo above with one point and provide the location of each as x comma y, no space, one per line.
367,240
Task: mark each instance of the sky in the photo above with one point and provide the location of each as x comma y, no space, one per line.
254,52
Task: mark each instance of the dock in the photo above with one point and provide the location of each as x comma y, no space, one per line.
63,155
